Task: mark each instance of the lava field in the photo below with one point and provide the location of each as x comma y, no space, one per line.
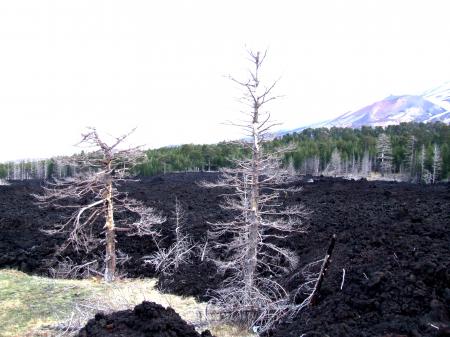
393,240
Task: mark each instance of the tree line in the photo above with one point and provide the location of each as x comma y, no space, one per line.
414,148
41,169
408,142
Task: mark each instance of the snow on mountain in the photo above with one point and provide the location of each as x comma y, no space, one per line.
432,106
439,96
393,110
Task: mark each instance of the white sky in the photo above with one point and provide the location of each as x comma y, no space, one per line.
162,65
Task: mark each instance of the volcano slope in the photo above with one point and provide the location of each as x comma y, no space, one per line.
393,240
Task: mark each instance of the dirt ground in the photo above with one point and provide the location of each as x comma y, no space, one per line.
393,240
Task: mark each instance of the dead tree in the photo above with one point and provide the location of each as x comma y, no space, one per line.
168,260
254,257
313,274
384,154
437,164
100,173
366,165
290,167
410,158
425,175
335,166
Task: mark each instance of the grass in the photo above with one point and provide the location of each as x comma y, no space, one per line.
29,302
31,306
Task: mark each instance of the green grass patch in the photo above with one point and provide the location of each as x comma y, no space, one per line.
28,302
31,306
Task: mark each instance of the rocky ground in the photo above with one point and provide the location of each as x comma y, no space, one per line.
146,319
393,240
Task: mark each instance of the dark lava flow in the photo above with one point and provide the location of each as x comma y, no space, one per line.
393,240
147,319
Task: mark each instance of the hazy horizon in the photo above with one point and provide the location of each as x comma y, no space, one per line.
163,67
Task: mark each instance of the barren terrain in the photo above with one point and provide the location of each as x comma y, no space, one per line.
393,241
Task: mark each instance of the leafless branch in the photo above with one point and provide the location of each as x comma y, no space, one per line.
251,241
168,260
93,194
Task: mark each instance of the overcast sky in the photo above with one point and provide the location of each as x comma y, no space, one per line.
162,65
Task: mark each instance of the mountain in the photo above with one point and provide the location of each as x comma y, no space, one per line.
393,110
439,96
432,106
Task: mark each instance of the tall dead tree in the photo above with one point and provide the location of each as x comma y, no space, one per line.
100,173
251,241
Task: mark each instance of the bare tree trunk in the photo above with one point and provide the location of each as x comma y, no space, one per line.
110,236
250,266
100,172
251,260
323,269
178,236
249,296
437,163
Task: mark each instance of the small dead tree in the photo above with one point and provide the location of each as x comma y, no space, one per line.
290,167
410,158
366,165
100,173
316,165
335,166
253,257
437,164
313,275
425,175
384,154
168,260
